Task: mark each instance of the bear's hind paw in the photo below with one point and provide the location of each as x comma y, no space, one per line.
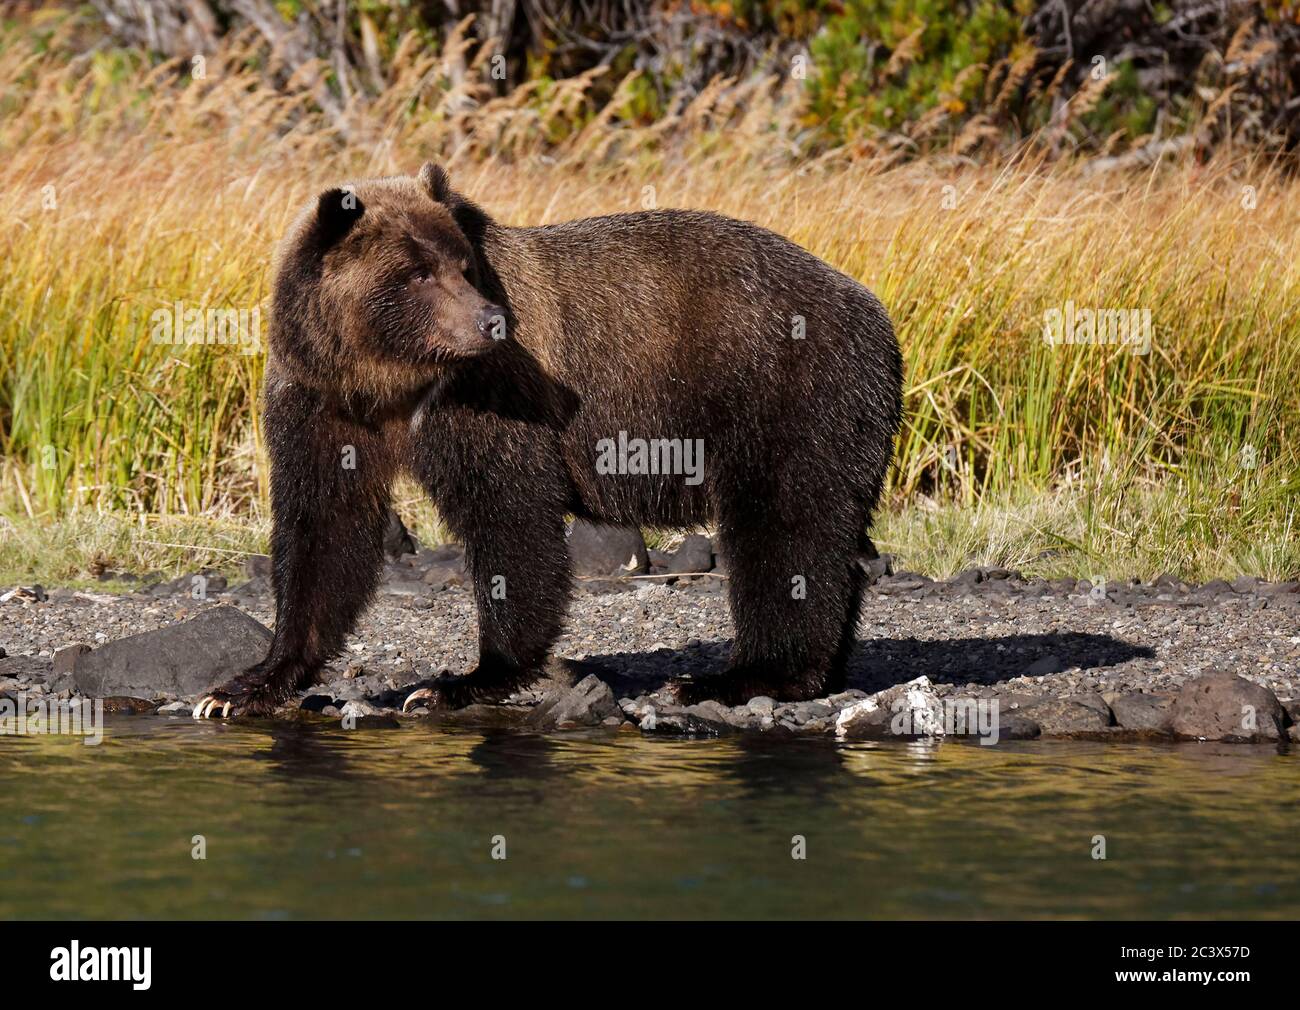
737,686
442,692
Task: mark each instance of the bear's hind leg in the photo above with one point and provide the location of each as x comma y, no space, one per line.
794,604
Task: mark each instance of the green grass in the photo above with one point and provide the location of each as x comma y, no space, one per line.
124,191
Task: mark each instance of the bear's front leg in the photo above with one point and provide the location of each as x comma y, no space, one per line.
500,486
330,477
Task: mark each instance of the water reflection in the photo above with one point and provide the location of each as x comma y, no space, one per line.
311,820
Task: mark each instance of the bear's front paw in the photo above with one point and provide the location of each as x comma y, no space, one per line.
259,690
442,692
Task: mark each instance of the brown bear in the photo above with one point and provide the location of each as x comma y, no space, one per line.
665,368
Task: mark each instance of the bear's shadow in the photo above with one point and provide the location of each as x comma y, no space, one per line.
883,662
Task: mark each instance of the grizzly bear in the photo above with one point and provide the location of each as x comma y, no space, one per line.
498,365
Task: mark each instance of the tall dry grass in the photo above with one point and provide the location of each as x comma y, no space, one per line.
125,188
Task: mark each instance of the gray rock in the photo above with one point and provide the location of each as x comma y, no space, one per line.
607,550
762,705
1014,726
588,703
182,659
1152,713
680,722
1043,666
441,576
866,724
711,718
694,555
714,711
170,588
447,555
199,585
397,541
357,709
115,705
876,568
65,659
257,566
904,711
1081,713
1223,706
358,715
903,582
404,588
254,588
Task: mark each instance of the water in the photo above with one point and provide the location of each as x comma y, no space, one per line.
309,821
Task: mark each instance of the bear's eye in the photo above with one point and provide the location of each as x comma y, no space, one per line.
421,277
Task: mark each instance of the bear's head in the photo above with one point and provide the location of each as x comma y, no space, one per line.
377,288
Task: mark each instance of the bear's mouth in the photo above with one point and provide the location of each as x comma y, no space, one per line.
453,346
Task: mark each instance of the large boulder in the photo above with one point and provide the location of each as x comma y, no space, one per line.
607,550
181,660
587,703
1149,713
1080,713
904,711
397,541
1222,706
693,556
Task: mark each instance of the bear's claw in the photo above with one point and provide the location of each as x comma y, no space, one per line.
259,690
202,711
423,694
448,692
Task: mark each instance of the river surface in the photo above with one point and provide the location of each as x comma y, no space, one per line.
312,821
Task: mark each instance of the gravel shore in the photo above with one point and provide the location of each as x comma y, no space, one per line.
1061,658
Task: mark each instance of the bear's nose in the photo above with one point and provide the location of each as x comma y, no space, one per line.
491,322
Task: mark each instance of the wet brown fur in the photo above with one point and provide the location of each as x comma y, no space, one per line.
663,324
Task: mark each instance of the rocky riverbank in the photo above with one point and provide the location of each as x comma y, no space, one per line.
986,654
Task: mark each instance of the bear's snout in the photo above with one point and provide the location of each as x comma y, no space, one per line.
491,322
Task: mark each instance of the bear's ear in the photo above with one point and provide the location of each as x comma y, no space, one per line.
434,179
337,211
